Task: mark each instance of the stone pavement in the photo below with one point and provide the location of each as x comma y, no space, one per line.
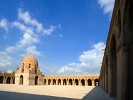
97,94
20,92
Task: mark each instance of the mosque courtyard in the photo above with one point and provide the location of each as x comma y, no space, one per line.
52,92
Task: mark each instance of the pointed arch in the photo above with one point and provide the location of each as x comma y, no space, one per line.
96,82
83,82
1,79
70,82
49,81
89,82
21,80
64,82
54,82
113,69
59,81
76,82
36,80
8,80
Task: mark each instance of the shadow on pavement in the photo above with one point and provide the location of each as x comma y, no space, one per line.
97,94
5,95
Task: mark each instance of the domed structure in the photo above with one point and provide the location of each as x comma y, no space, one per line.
10,71
29,61
28,73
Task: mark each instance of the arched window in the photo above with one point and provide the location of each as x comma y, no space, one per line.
29,65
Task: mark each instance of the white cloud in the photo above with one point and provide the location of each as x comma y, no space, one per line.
25,44
29,37
68,69
89,62
5,59
31,30
4,24
19,25
33,50
28,40
25,16
11,49
22,27
50,30
107,5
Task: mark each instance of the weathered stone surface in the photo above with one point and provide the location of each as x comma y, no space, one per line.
117,80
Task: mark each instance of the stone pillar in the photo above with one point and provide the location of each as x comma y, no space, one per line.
125,72
104,77
79,82
4,79
92,82
67,82
61,81
46,81
109,80
56,83
51,83
85,82
73,82
11,82
106,80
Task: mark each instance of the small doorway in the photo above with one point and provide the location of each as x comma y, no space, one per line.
36,80
21,80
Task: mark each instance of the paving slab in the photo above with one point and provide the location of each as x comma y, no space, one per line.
51,92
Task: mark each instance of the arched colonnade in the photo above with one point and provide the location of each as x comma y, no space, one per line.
7,79
72,80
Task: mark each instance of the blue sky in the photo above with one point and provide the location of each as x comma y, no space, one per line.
66,36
